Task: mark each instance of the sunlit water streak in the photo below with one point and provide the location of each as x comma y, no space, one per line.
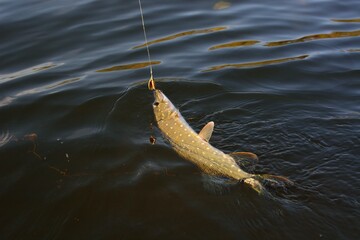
75,118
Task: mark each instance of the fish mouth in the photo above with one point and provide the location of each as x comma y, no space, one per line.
159,96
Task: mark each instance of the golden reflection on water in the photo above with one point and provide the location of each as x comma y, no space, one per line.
221,5
9,99
183,34
346,20
255,64
128,66
235,44
28,71
353,50
314,37
48,87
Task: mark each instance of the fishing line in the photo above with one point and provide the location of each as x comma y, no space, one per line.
149,58
146,41
151,82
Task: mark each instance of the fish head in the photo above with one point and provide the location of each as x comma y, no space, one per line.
163,107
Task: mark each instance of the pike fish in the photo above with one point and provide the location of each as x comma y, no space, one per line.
196,148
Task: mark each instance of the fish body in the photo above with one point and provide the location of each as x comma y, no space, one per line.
196,148
191,145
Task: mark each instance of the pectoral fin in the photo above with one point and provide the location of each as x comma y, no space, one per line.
207,131
245,155
246,160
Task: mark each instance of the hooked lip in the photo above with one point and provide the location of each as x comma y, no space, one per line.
158,95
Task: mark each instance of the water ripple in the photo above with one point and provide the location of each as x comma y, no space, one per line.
183,34
299,113
354,20
5,138
255,64
28,71
128,66
9,99
314,37
221,5
235,44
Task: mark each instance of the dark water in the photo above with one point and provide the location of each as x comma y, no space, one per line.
279,78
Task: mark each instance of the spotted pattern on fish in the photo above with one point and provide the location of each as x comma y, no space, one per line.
188,144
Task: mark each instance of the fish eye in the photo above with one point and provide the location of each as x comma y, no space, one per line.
156,104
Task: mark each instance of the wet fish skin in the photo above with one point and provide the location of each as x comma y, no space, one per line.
189,145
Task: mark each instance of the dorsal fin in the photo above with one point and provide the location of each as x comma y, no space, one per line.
207,131
246,160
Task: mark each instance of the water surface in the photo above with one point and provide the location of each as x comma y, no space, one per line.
280,80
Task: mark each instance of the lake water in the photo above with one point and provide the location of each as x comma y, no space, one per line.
279,78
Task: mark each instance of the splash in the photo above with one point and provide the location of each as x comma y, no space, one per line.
5,138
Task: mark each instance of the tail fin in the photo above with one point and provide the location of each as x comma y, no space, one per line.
260,181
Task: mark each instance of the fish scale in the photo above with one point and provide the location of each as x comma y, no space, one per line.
188,144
